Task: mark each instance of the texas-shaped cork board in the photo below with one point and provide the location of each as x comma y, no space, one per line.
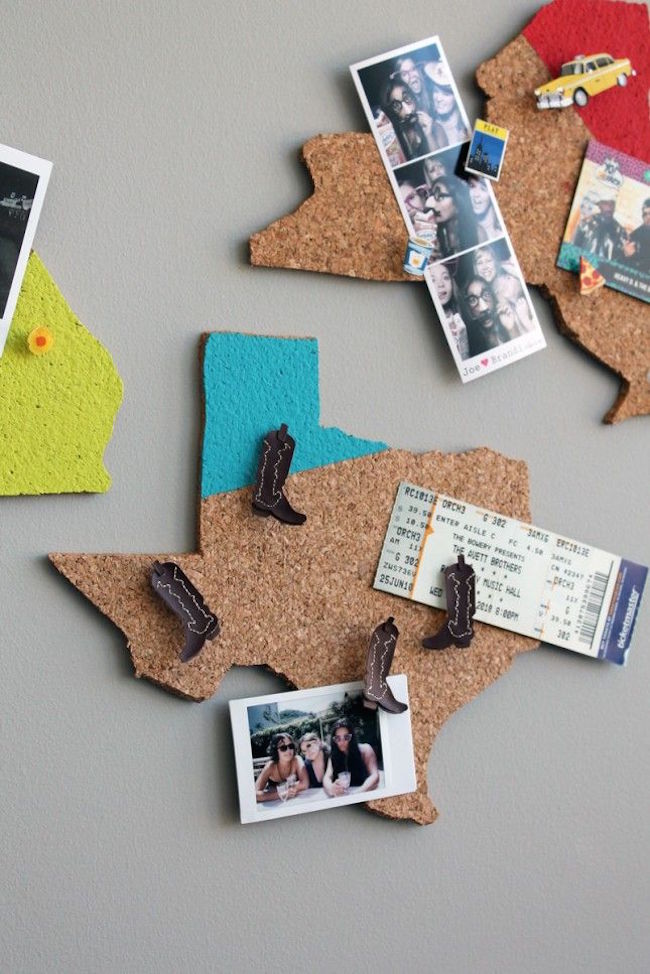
351,224
57,410
299,600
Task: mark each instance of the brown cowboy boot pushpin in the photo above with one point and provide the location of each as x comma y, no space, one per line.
272,471
379,658
460,589
170,582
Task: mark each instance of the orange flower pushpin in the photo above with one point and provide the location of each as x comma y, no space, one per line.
40,340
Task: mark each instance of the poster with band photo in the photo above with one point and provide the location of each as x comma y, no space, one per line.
419,123
609,222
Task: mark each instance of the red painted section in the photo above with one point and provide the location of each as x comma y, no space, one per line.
619,117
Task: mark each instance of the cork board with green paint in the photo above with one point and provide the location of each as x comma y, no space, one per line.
57,409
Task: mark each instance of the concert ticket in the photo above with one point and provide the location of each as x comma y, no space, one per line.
528,580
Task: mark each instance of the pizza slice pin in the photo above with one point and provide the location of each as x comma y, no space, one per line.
590,278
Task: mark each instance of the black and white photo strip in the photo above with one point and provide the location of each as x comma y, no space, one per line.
23,182
454,211
309,750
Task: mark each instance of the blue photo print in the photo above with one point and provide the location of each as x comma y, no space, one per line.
486,150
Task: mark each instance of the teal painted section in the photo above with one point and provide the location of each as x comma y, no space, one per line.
253,384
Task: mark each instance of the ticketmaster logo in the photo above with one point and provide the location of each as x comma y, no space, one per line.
621,642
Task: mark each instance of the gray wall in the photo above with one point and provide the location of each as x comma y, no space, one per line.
174,129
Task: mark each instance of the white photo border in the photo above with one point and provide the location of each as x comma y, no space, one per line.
41,168
396,742
485,363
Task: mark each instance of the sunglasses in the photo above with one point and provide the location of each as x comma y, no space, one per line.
473,299
286,747
343,737
396,104
438,195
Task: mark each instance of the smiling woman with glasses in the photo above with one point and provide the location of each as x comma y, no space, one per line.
351,765
284,775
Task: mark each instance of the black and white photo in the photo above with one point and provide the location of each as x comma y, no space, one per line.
23,181
483,301
454,210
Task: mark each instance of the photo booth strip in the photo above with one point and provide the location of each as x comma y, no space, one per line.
57,409
544,162
470,342
23,184
301,601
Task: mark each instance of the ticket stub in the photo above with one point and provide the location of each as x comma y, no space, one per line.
528,580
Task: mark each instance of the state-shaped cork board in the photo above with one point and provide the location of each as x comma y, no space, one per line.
56,410
300,600
351,224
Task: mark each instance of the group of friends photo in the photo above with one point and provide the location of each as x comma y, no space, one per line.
328,748
601,233
451,209
316,749
415,104
482,301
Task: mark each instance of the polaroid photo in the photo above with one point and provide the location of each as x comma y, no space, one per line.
456,211
309,750
23,182
486,150
609,220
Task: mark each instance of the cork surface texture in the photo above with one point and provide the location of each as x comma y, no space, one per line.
350,226
300,600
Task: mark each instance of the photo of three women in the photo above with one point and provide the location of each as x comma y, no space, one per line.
293,767
483,301
412,96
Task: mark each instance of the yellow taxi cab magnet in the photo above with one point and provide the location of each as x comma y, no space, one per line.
580,79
